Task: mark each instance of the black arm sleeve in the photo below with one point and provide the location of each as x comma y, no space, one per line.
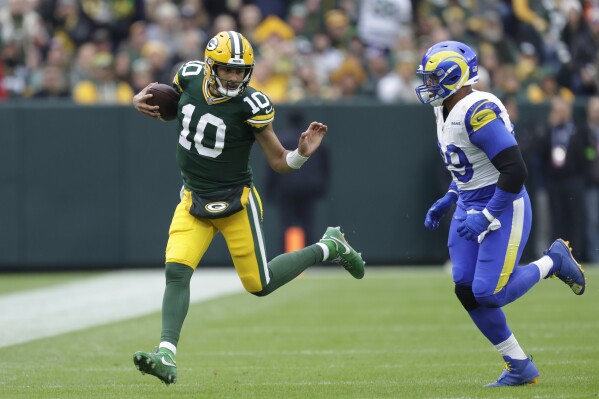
512,169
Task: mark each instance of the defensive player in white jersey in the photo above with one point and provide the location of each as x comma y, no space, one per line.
493,216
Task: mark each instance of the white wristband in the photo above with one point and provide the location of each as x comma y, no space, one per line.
488,215
295,160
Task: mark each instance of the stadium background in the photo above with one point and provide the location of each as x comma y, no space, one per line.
86,182
96,186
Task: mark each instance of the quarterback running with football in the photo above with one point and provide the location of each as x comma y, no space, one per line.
219,118
492,219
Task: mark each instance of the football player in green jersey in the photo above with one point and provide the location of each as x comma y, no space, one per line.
220,116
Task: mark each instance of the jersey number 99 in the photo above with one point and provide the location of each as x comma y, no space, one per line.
462,169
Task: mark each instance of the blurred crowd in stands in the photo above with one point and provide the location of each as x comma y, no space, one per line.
103,51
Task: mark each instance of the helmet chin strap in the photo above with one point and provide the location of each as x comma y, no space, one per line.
437,102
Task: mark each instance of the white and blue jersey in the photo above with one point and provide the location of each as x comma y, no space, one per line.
469,137
468,156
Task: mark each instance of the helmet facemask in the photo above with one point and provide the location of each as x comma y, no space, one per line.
222,85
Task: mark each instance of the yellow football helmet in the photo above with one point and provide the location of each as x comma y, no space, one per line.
229,49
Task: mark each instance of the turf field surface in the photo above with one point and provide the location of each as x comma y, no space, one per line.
81,303
398,333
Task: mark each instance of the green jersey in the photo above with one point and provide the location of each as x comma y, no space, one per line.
216,134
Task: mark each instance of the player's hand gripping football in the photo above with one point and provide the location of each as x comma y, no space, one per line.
310,139
140,103
439,209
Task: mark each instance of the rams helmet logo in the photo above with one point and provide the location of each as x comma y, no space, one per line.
463,49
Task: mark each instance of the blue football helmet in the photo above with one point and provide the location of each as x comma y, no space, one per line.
444,70
468,53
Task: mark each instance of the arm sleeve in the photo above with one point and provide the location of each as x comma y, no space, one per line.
512,169
453,187
512,175
452,190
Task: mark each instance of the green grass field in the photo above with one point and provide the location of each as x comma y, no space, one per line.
399,333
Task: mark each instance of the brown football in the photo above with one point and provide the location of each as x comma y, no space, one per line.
166,98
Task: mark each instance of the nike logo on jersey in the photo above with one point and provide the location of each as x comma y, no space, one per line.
347,249
268,110
480,118
167,363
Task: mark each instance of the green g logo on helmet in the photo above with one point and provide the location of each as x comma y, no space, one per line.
212,44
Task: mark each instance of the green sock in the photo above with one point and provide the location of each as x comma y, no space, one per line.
286,267
175,302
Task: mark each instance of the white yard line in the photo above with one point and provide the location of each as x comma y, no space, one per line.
115,296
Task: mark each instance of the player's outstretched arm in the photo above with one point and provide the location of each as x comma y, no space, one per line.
273,150
282,160
140,103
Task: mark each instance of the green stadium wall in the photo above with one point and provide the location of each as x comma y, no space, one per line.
95,187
